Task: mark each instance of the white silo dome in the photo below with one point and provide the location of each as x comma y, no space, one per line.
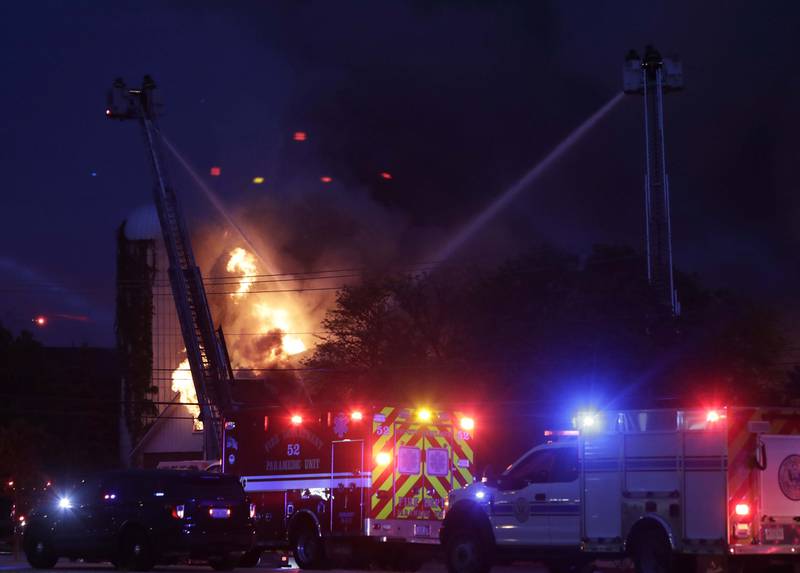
143,224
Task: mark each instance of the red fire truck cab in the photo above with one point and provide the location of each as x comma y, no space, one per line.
326,482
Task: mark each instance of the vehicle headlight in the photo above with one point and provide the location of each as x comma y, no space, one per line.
64,503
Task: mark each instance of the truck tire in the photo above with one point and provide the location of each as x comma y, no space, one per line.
652,552
308,548
135,551
251,558
39,551
223,563
466,552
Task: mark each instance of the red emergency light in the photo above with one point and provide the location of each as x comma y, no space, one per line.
299,136
297,419
386,175
383,458
216,171
356,416
467,424
742,509
326,179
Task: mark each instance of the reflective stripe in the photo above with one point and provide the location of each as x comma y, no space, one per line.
303,476
503,508
316,483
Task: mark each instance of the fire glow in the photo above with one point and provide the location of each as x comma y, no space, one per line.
269,340
183,385
244,264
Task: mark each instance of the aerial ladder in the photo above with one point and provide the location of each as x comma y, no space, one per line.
205,348
652,76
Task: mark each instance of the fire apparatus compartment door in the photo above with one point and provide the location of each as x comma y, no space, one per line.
780,480
408,480
601,463
437,471
705,472
347,486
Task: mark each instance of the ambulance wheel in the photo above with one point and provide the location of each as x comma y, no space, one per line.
652,552
466,552
308,548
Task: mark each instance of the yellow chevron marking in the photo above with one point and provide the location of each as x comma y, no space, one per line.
385,486
386,511
378,444
440,489
467,478
470,455
407,486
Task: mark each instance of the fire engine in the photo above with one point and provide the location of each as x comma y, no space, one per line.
669,490
333,484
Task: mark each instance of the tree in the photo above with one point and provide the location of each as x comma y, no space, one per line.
545,326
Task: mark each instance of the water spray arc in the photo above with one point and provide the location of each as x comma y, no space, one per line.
492,210
217,204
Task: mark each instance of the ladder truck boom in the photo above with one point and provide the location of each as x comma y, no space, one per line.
205,348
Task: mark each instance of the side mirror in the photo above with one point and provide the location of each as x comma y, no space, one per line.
489,476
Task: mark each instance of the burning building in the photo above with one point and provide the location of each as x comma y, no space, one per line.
265,331
155,426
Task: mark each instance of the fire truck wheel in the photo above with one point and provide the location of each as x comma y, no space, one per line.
466,552
308,548
224,563
652,552
39,550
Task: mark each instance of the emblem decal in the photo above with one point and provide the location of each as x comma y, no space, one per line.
340,425
522,510
789,477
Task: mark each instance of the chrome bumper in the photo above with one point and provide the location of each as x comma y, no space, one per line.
403,530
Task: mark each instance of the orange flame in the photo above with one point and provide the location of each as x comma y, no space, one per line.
269,319
243,263
272,323
183,384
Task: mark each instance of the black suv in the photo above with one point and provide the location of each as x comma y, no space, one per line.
137,518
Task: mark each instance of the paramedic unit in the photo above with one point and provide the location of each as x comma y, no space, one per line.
674,490
324,482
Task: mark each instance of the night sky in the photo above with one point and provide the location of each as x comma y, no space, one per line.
455,99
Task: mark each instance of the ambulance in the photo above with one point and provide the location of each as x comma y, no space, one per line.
662,490
348,484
